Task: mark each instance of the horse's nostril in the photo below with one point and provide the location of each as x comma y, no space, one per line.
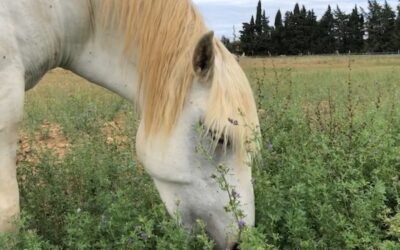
235,246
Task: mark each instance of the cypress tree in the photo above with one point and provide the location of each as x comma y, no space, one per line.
247,37
342,32
296,10
374,26
301,31
294,35
265,38
388,28
303,12
286,34
252,25
278,20
311,32
265,23
277,35
258,22
356,31
396,31
326,37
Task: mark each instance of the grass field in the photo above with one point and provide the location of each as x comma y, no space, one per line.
328,177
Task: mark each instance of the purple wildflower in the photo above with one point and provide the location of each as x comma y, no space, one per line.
103,221
143,236
130,240
235,194
241,224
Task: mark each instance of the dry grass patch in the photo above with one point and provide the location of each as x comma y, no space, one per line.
49,137
114,131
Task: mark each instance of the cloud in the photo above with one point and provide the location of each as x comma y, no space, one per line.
222,15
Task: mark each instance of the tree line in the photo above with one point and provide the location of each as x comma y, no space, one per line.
376,29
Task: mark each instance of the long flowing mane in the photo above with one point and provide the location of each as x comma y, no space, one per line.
164,35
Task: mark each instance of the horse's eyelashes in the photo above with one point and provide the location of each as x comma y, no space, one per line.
222,139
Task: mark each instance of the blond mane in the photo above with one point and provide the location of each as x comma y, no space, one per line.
164,34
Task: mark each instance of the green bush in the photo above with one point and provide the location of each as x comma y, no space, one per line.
329,174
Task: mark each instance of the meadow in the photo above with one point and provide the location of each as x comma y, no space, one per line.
327,177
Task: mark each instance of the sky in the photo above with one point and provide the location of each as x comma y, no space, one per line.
222,15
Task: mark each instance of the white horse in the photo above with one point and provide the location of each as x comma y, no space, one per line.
159,55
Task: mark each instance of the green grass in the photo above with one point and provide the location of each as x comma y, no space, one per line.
328,177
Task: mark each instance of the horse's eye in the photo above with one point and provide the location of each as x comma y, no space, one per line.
221,140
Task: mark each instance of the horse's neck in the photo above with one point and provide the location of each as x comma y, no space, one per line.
101,59
58,33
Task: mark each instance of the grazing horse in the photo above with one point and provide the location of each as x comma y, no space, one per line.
159,55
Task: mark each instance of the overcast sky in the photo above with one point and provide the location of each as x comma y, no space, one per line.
221,15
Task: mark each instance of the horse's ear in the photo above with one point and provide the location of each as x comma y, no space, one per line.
204,56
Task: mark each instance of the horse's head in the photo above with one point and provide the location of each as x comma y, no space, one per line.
209,146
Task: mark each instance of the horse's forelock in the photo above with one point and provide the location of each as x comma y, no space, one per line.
231,110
